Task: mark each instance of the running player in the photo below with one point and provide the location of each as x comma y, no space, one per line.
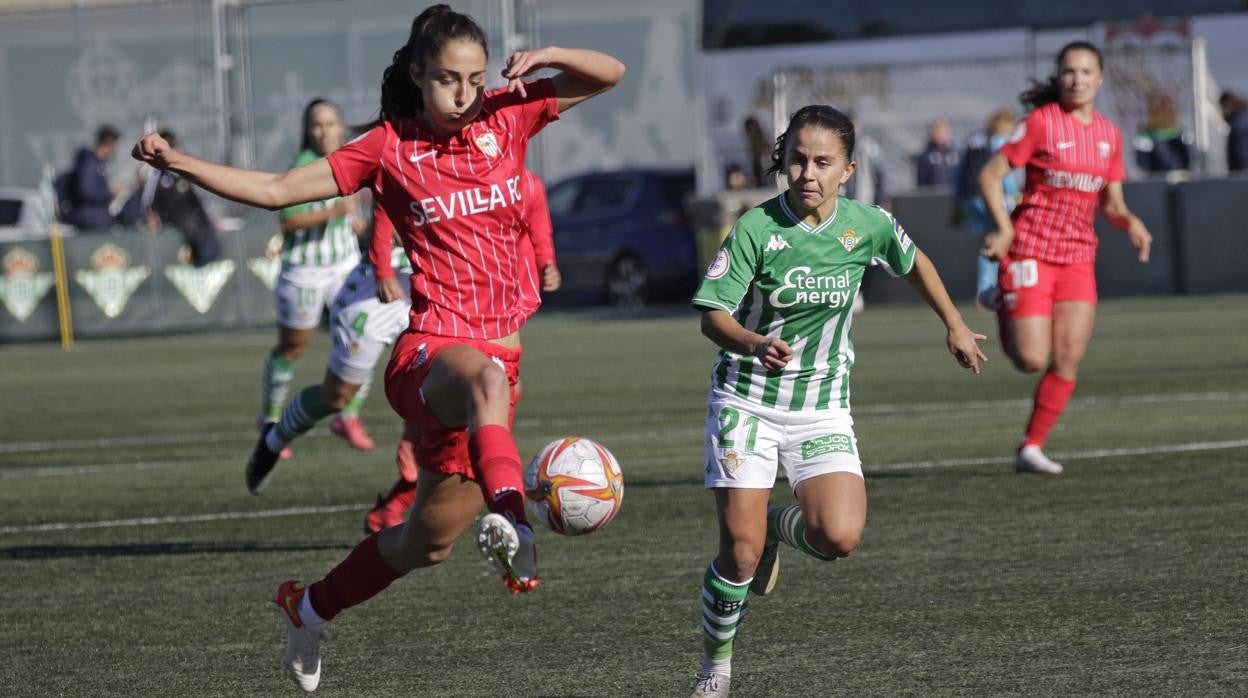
1047,250
445,163
319,250
537,243
778,301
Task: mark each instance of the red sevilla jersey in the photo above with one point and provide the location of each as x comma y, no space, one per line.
1068,164
457,203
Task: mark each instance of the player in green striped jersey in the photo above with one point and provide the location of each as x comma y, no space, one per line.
319,250
777,300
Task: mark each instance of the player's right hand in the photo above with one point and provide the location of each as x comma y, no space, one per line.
997,244
389,289
775,353
153,150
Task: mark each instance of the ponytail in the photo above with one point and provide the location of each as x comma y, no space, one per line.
432,29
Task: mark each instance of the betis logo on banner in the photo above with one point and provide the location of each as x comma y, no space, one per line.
268,267
111,280
23,285
200,286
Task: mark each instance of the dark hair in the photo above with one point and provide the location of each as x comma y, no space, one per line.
106,134
1232,102
1042,93
822,116
432,30
306,142
168,136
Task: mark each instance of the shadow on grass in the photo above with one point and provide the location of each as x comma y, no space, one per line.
59,552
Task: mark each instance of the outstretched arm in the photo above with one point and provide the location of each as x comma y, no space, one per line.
311,182
1114,206
723,329
962,342
585,72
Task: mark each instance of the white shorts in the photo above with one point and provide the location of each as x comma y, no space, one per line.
745,442
362,326
302,292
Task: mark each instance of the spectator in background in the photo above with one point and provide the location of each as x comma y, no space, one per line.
937,165
89,193
969,207
759,147
171,200
735,178
1235,111
1162,145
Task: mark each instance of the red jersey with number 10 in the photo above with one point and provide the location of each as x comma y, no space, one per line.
1068,164
457,203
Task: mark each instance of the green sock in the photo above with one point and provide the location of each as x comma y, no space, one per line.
352,410
785,525
302,414
723,603
278,374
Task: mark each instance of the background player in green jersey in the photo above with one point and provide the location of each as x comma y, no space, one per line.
777,300
319,250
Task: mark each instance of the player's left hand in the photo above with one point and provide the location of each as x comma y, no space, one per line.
551,279
1140,238
522,63
964,345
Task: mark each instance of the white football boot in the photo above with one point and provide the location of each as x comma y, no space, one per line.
303,644
512,549
1031,459
709,684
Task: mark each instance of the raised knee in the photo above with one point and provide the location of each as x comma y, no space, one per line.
1030,364
491,383
837,543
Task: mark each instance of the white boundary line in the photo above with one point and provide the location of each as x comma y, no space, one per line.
935,408
919,465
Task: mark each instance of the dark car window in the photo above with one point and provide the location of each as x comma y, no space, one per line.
676,188
601,193
10,211
562,197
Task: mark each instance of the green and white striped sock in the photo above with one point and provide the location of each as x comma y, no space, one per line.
278,374
785,525
301,414
352,410
723,603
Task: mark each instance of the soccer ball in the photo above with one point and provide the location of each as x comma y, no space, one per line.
574,486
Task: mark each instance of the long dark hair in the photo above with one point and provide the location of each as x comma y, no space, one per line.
820,115
432,29
1042,93
306,142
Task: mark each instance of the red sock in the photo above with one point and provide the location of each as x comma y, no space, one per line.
499,472
360,577
1052,394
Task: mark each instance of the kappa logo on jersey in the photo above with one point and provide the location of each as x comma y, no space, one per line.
23,285
848,240
1102,149
823,445
487,144
112,280
776,243
719,265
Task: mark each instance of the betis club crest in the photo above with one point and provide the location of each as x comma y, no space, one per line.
111,280
23,285
268,267
200,286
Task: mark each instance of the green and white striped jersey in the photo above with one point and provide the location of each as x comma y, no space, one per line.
781,278
325,245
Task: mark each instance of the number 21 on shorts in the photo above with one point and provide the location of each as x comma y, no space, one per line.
732,428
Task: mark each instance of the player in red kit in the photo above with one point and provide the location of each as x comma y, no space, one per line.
445,162
536,244
1047,250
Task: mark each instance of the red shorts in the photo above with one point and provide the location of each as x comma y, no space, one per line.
1030,287
440,449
